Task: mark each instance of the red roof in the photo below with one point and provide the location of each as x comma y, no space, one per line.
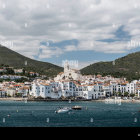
17,85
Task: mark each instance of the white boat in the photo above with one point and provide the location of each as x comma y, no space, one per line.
63,110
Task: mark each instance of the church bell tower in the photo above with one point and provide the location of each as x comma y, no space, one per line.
66,67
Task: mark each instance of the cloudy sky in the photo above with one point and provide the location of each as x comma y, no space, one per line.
86,31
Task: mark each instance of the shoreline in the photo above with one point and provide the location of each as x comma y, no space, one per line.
39,100
64,100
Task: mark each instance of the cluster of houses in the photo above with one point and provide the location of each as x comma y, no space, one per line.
11,77
71,84
17,74
11,89
3,70
16,71
91,89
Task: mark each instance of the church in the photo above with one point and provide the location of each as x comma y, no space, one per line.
68,74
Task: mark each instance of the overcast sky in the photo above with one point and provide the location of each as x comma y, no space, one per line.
87,31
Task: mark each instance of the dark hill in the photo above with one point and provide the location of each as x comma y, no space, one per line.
128,66
16,60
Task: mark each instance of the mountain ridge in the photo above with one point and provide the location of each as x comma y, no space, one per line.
127,66
16,60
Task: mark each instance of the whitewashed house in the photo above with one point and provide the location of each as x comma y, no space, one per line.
2,93
24,91
44,90
11,92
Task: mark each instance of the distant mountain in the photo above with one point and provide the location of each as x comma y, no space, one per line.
16,60
128,66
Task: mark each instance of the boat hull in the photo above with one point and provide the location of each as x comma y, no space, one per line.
77,108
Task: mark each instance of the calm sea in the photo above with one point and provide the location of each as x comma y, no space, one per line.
93,114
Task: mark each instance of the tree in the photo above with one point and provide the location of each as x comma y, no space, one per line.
126,94
18,95
132,95
10,71
119,94
2,65
8,95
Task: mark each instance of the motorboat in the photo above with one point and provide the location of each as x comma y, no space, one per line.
63,110
76,107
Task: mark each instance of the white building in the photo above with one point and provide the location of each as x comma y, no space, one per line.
18,71
71,83
2,93
68,74
63,89
44,90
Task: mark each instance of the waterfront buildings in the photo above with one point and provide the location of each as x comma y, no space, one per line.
11,89
70,84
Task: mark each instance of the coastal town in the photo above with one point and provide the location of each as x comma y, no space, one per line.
69,84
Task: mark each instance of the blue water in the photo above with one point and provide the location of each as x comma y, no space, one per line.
41,114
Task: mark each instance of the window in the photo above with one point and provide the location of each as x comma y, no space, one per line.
42,89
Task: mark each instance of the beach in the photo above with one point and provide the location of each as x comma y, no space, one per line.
12,99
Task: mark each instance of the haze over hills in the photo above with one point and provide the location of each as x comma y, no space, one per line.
16,60
128,66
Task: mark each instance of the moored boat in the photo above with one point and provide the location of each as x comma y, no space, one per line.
76,107
63,110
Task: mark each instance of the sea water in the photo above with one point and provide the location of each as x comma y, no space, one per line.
93,114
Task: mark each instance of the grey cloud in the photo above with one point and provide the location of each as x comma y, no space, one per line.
57,20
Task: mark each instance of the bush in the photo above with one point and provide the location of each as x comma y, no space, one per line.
119,94
18,95
126,94
132,95
8,95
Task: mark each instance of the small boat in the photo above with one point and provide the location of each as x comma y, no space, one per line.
63,110
76,107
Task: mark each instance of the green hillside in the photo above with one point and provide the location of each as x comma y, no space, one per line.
16,60
128,66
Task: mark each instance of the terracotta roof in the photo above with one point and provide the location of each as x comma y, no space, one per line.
16,85
92,85
25,88
60,73
45,84
106,85
32,72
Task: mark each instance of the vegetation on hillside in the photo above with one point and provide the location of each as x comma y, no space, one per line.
128,66
16,60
